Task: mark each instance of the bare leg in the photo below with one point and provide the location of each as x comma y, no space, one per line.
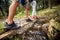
12,10
27,17
26,10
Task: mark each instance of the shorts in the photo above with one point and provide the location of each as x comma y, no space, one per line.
23,2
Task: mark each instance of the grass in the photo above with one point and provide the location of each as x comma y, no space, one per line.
1,27
51,13
22,14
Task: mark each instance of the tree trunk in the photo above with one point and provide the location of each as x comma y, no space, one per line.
50,4
44,4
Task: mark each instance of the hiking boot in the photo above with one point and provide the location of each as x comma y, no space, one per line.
28,20
10,26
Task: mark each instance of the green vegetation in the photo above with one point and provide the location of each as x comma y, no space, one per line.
1,27
22,14
50,13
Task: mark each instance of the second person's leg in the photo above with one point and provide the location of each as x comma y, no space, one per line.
34,9
25,5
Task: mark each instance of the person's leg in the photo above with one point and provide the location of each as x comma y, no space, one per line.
12,10
33,9
25,5
26,11
10,24
33,12
27,16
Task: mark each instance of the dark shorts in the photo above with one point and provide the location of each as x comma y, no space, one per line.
23,2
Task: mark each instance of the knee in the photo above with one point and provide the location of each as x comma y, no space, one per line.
15,2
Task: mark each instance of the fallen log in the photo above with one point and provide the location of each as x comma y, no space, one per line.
26,27
7,33
18,31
